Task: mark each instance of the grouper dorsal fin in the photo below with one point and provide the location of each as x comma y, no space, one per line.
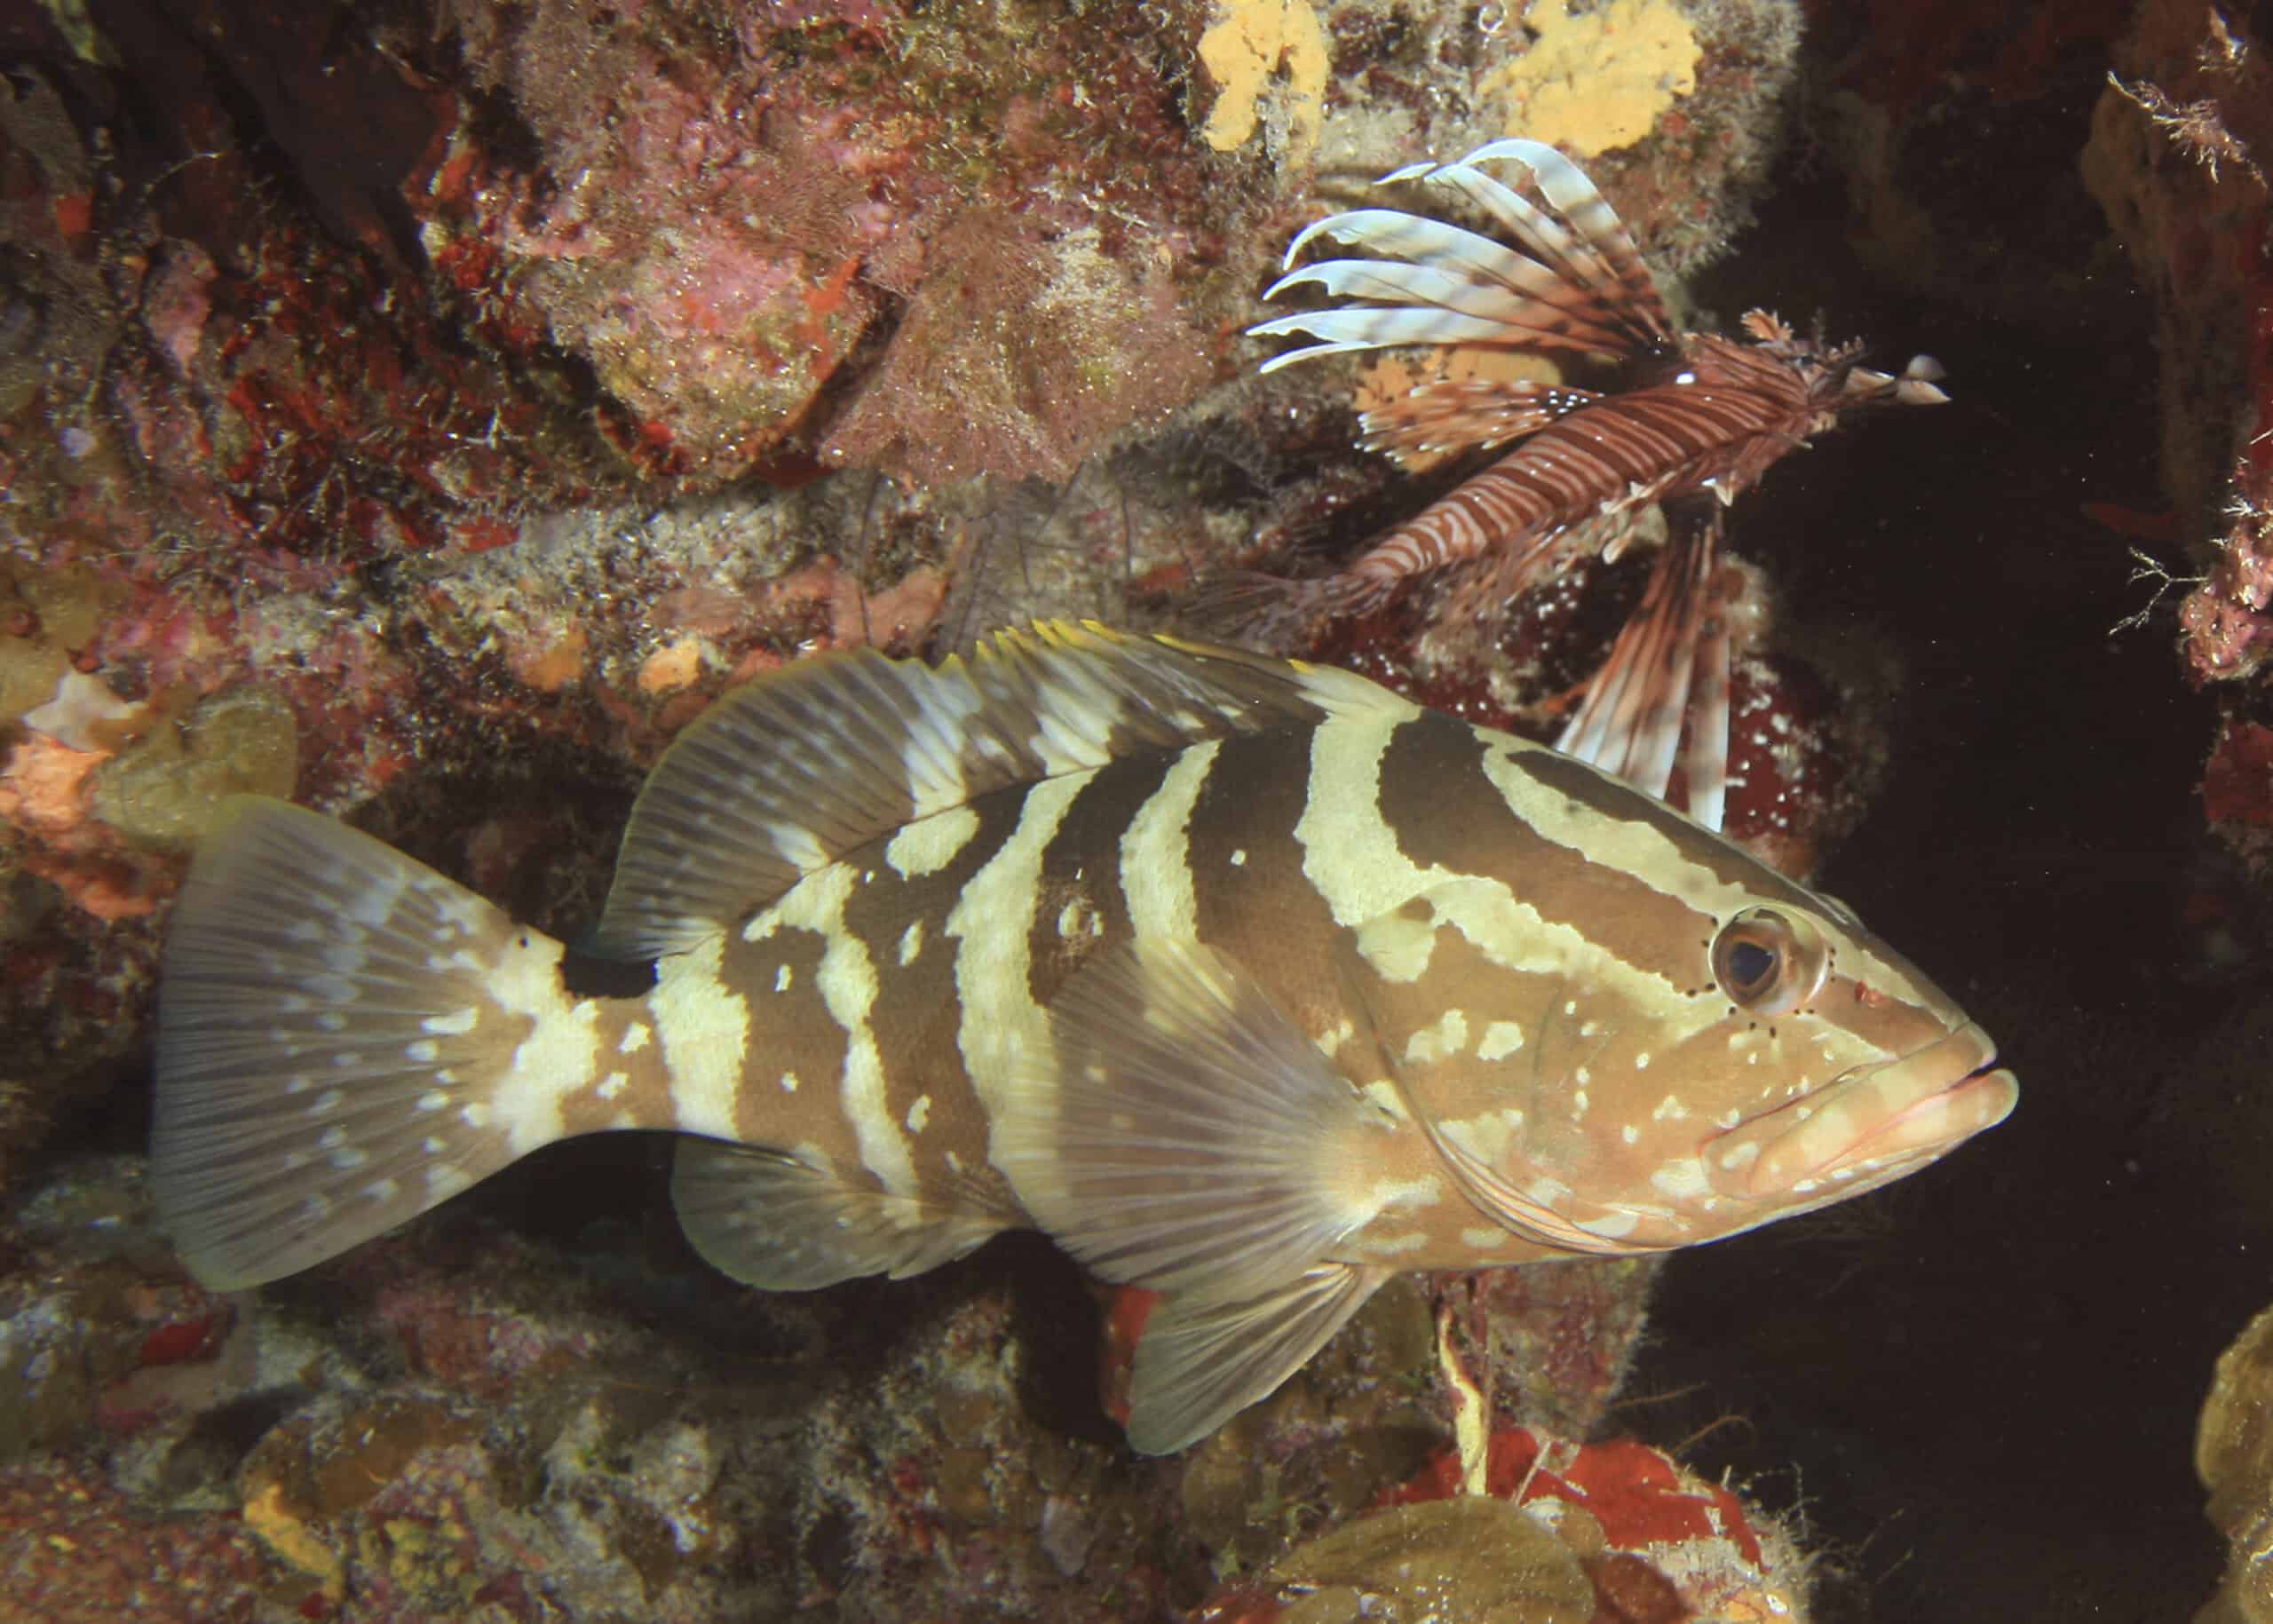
782,777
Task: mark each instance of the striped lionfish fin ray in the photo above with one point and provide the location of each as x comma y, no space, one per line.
1596,250
780,777
1202,1359
1184,1133
1510,509
1631,722
338,1030
1572,280
1439,284
1448,414
1705,759
775,1221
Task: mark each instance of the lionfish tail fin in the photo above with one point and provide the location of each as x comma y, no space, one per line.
1570,278
1443,415
1630,722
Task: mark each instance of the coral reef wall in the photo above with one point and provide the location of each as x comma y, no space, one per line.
402,410
423,409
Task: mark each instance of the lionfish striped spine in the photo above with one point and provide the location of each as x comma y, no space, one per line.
1699,418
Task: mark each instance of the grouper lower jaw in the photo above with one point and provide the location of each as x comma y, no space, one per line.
1936,1123
1911,1108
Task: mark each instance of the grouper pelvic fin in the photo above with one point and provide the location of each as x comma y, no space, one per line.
1201,1359
783,776
1183,1134
336,1025
772,1220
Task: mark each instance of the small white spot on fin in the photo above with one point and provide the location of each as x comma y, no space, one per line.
1501,1039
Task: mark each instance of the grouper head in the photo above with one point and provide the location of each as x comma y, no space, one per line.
1634,1036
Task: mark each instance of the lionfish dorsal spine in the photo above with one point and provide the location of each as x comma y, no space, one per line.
1434,284
1570,278
1596,252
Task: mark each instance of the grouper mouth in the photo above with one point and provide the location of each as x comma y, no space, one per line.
1868,1123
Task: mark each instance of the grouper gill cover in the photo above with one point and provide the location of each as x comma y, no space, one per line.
1245,980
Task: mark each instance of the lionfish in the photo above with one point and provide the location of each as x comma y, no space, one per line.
1699,417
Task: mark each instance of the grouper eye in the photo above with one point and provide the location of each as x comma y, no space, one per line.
1768,964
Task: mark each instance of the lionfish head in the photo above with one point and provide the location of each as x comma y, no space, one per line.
1835,384
1916,385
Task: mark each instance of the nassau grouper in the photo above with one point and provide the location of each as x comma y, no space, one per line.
1245,980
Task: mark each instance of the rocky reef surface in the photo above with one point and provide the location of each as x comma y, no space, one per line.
424,413
570,1414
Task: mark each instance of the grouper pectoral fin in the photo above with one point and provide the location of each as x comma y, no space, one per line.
1202,1359
772,1220
1181,1133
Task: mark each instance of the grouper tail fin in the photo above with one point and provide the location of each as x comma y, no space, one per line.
342,1034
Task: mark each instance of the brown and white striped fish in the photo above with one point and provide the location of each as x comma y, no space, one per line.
1245,980
1697,419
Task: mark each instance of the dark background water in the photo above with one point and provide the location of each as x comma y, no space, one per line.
1981,1385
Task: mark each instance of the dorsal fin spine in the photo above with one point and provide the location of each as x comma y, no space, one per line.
781,778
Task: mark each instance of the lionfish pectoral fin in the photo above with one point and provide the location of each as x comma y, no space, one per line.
774,1221
1204,1357
1181,1133
1362,327
1445,416
1578,286
1630,722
